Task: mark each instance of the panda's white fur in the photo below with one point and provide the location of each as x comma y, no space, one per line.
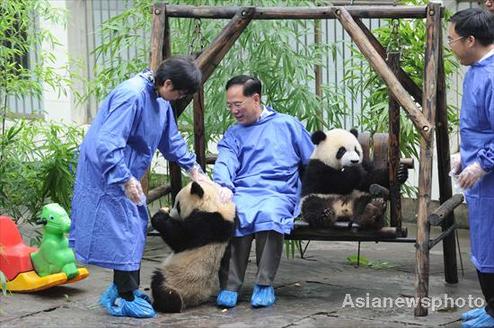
335,184
327,149
198,229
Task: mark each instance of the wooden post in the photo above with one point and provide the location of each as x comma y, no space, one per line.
394,149
199,138
399,93
433,26
402,76
158,32
443,164
210,58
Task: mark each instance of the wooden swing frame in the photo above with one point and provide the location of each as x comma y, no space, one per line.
430,120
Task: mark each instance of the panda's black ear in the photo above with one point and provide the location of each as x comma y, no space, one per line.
196,189
354,132
317,137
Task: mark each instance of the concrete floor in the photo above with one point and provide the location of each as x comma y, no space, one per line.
316,291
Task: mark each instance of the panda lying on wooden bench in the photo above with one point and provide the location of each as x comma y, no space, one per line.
340,188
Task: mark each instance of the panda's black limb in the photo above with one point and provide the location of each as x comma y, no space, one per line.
320,178
317,212
372,215
165,299
199,229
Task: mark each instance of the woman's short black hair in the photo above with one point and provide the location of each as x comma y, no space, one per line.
476,22
182,71
251,84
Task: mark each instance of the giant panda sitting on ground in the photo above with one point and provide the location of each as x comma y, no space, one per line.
198,230
336,183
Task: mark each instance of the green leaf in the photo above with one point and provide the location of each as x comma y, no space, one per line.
355,260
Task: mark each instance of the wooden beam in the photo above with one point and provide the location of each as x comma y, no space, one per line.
443,165
327,12
402,76
394,149
199,135
380,66
442,212
433,28
210,58
157,193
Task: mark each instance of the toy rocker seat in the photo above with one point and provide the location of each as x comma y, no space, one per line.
15,262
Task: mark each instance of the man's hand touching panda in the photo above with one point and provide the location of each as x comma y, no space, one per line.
225,194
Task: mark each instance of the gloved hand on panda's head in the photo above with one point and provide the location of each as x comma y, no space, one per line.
197,174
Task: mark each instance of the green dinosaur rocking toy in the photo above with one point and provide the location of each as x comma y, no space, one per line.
54,254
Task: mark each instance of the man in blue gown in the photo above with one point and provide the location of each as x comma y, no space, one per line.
258,161
471,38
109,215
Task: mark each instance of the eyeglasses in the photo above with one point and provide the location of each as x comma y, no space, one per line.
236,105
451,41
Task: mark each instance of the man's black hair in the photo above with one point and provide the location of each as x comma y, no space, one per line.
183,73
476,22
251,84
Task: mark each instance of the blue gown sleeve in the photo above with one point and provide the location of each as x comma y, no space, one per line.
486,155
113,135
172,145
303,143
227,164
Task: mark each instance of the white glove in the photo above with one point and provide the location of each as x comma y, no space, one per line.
455,164
225,194
470,175
133,190
197,174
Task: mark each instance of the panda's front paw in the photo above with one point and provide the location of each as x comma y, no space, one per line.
402,174
159,218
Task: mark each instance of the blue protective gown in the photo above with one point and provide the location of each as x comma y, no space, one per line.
260,163
477,144
132,122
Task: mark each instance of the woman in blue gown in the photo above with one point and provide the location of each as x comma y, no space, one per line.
109,215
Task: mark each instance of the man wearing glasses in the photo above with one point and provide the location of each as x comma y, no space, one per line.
471,38
258,161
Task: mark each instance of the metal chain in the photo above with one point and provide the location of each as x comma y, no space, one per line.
198,41
394,42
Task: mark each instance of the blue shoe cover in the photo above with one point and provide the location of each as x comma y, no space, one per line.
138,293
109,296
482,321
469,315
227,299
138,308
262,296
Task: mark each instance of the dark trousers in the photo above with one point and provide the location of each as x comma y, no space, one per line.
126,282
487,285
269,249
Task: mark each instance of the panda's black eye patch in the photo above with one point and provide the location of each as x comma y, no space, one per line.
356,150
178,207
340,152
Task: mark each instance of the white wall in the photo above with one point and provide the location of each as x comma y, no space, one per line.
57,105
